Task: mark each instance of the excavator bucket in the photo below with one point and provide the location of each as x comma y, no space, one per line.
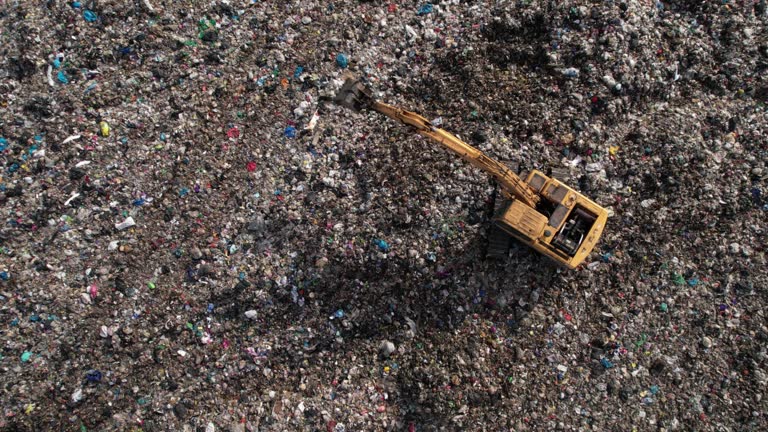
354,95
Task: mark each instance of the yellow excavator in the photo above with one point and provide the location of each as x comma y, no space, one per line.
541,211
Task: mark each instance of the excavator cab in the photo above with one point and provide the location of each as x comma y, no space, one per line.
564,225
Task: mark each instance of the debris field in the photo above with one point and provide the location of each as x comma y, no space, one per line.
193,238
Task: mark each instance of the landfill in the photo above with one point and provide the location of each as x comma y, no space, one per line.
193,238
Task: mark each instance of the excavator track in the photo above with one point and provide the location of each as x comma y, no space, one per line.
499,241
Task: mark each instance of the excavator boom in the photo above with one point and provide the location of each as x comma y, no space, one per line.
509,181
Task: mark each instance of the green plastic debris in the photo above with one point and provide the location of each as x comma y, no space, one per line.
643,338
203,25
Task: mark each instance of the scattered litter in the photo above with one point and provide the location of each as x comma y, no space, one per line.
342,60
127,223
104,128
425,9
90,16
194,237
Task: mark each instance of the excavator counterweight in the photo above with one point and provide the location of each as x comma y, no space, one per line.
539,211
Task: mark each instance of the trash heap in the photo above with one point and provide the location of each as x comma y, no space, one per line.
193,238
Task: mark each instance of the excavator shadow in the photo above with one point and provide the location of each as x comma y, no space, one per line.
506,291
427,315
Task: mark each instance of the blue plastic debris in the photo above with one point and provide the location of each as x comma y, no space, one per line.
339,313
62,78
571,72
90,16
93,375
297,73
290,132
606,363
3,144
342,60
425,9
5,275
384,246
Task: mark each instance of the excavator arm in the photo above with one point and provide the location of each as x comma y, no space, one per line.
511,184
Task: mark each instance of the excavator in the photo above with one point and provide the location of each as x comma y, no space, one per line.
540,211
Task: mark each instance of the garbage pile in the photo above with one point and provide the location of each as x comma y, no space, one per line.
193,239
